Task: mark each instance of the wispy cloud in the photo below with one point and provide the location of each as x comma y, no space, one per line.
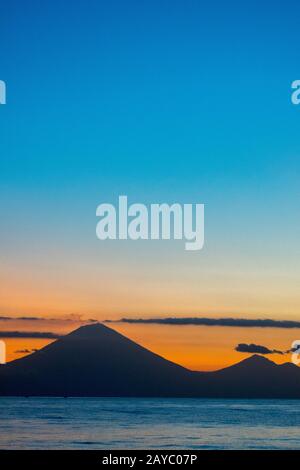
29,334
3,318
257,349
203,321
25,351
72,318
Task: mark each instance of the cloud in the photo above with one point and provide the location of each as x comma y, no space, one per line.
29,334
25,351
2,318
203,321
256,349
65,319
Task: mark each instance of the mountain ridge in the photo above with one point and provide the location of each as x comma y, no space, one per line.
95,360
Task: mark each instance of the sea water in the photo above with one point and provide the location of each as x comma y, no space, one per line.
138,423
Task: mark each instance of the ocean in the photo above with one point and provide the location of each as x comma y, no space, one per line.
138,423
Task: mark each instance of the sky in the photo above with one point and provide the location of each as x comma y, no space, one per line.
162,101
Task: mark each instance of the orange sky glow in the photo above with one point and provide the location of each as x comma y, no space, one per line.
195,347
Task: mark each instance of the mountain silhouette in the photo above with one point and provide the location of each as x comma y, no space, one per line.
95,360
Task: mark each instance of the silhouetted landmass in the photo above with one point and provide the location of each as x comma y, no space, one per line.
95,360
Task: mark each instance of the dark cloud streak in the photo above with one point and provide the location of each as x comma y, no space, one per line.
257,349
25,351
29,334
203,321
69,319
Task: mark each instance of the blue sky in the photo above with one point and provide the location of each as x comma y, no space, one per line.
165,102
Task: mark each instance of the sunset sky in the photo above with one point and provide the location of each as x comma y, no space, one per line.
158,101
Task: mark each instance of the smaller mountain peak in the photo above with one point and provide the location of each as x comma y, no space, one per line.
288,365
256,360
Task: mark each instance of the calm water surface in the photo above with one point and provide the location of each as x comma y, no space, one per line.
119,423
